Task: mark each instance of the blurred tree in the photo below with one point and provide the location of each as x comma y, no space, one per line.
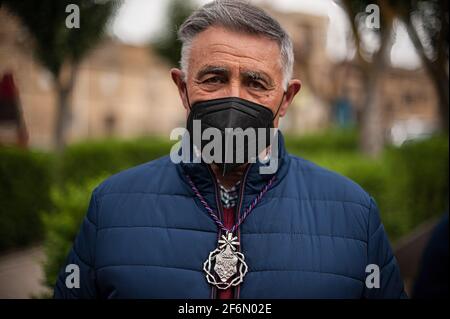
372,62
427,25
167,45
60,46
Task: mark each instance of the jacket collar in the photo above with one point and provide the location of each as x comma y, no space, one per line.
253,181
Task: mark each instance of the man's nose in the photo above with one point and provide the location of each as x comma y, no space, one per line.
235,89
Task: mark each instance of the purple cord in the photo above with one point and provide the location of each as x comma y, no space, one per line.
211,212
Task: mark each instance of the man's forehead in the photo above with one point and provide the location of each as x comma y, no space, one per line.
221,47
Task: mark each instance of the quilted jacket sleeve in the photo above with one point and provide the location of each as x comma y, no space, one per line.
80,261
380,256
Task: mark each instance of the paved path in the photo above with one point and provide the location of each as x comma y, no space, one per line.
21,273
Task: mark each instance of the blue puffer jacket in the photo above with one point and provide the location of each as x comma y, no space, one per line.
312,235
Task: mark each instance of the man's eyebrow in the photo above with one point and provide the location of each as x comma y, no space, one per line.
258,75
212,69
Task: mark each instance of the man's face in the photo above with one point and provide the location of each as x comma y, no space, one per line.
224,63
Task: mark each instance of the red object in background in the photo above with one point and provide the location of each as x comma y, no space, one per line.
10,110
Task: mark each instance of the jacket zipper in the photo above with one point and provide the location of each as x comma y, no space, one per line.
238,214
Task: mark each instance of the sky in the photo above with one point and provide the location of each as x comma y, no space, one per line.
140,21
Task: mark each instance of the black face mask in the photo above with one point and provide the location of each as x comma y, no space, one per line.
233,112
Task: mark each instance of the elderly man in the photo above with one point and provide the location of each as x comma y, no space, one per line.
229,229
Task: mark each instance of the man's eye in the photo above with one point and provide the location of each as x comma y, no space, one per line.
256,85
214,80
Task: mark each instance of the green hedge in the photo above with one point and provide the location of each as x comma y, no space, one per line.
62,224
25,179
330,141
83,161
418,183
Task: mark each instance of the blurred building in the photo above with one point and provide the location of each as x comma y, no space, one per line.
122,90
126,91
409,101
409,104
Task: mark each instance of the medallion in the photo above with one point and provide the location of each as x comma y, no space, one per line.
225,266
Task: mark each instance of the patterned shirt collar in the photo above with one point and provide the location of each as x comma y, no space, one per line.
229,196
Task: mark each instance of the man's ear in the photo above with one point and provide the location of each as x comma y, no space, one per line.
292,90
179,80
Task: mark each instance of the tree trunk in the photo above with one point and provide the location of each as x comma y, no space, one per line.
63,108
440,81
437,72
442,89
371,127
371,130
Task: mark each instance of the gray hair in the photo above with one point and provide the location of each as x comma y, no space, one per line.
241,16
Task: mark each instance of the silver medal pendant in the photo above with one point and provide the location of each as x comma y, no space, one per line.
225,266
